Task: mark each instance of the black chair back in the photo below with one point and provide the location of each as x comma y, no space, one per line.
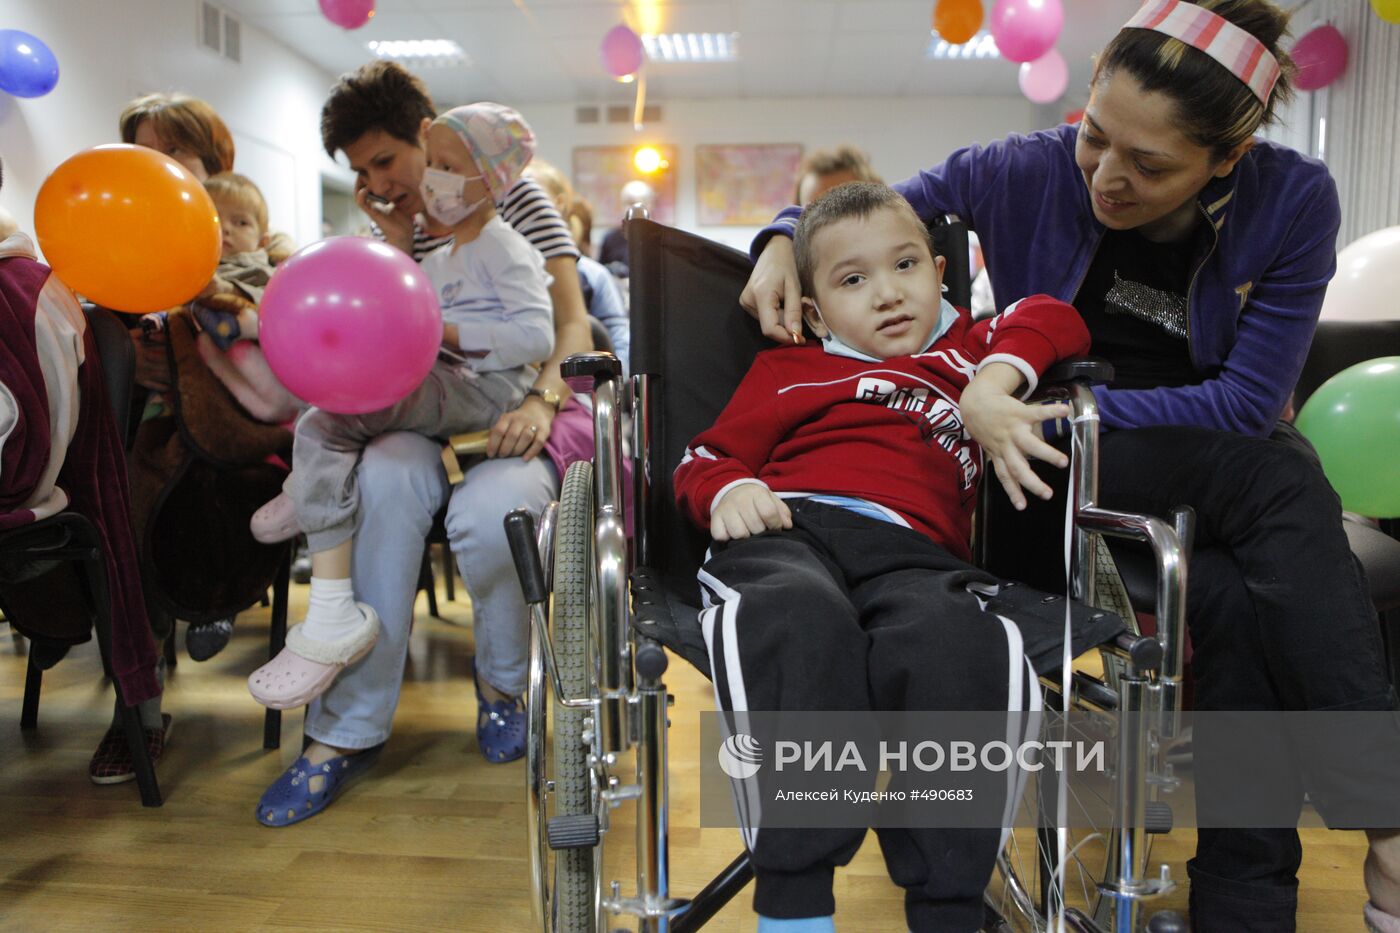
1339,344
118,357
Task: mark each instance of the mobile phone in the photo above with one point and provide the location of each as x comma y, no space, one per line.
383,205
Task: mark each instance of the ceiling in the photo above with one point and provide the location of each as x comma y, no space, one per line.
547,50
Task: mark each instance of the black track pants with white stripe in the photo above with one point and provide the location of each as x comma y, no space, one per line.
844,612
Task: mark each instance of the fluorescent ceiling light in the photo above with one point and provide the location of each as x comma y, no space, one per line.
430,52
980,46
692,46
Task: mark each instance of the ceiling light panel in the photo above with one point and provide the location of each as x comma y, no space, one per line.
691,46
980,47
440,53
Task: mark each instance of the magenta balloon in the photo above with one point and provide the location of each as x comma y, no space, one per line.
1321,57
350,324
1025,30
1045,79
622,52
348,14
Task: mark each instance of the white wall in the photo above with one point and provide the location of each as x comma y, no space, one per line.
110,51
902,136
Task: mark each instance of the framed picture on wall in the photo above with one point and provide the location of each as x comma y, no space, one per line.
744,184
601,171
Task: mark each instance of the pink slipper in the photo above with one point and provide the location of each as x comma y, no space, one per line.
276,521
1378,921
305,669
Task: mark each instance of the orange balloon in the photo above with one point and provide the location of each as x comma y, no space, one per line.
957,21
128,227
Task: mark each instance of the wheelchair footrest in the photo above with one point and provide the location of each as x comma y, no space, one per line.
576,831
1159,817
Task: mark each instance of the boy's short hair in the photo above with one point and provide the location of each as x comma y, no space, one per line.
184,121
381,95
242,192
857,199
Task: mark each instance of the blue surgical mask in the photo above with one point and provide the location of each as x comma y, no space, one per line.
444,196
834,345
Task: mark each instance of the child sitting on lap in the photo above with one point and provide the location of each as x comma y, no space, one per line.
498,320
838,485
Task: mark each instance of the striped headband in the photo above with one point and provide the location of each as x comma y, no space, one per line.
1244,56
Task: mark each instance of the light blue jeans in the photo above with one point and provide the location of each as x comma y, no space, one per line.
402,486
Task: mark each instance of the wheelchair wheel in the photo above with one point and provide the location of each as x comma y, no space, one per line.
577,876
1019,895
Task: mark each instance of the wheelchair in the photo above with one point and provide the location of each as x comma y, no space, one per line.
597,657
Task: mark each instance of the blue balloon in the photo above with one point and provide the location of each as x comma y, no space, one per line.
27,67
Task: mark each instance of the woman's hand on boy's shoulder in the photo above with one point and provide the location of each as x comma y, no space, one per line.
748,509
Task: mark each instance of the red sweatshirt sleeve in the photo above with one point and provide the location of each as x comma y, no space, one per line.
735,448
1032,334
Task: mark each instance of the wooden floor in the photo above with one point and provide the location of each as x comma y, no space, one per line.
431,839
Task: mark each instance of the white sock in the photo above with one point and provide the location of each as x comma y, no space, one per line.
331,613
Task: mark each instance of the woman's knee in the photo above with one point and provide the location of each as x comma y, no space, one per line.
490,491
401,468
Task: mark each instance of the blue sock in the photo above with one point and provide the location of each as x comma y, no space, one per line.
802,925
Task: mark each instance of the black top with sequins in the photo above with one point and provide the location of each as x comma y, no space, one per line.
1133,300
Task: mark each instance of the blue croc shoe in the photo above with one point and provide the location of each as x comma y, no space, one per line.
500,726
290,799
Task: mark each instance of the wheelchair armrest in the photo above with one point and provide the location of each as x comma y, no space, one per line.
1091,369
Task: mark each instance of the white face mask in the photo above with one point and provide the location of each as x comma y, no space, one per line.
444,196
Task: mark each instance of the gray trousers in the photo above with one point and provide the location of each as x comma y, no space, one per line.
328,446
402,485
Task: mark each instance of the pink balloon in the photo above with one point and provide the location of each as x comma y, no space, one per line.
1024,30
348,14
1045,79
1321,57
622,52
350,324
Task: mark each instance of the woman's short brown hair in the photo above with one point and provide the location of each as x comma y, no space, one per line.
1218,111
381,95
183,121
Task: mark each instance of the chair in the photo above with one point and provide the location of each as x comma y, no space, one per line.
68,542
603,660
1337,345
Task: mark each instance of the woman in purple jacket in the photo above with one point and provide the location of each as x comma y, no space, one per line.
1198,256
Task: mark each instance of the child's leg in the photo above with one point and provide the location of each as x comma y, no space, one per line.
933,648
782,635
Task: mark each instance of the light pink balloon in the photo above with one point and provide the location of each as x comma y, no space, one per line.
1045,79
622,52
350,324
1024,30
1321,57
348,14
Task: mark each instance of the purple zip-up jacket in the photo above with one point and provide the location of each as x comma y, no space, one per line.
1254,299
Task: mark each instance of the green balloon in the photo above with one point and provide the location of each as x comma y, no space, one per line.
1353,420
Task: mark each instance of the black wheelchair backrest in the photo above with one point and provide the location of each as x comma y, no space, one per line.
690,334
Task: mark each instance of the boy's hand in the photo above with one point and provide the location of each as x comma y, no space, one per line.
748,509
1009,431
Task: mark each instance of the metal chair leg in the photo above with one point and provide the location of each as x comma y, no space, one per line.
449,574
33,681
140,755
425,581
276,639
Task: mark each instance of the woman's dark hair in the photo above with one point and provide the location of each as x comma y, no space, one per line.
183,121
1218,111
382,95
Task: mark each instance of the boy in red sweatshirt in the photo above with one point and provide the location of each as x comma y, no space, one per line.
838,485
